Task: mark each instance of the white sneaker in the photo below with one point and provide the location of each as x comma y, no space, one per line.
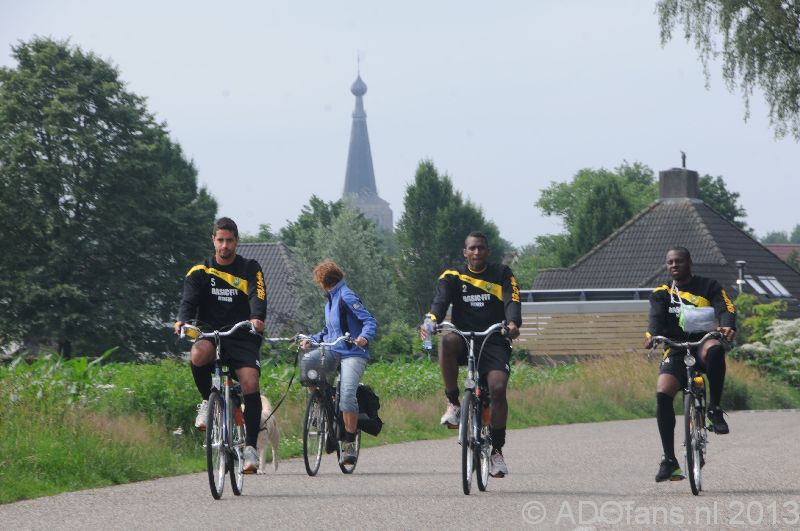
250,460
202,415
451,416
498,467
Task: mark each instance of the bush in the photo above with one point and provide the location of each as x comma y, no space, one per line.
754,319
779,354
397,341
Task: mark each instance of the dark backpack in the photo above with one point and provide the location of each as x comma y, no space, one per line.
368,405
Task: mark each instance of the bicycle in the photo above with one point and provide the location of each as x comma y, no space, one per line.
323,424
225,430
474,431
694,407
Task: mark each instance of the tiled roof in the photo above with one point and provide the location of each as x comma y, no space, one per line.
633,256
783,249
281,302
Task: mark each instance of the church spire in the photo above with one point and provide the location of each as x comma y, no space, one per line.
359,181
360,176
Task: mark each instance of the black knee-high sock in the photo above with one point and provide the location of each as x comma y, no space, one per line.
665,415
452,396
498,439
252,417
202,379
715,370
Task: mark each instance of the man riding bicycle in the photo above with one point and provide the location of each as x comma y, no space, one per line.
225,289
482,294
685,311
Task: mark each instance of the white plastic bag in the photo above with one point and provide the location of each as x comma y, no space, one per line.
692,319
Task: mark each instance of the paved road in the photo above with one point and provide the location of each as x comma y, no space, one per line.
578,476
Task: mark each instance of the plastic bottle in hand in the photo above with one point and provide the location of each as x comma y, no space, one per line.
427,343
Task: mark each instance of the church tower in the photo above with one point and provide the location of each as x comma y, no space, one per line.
359,181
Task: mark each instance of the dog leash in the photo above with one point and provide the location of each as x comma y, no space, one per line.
263,426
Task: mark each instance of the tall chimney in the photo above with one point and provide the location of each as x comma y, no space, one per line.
678,183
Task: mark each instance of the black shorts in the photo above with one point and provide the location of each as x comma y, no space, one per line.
494,357
674,365
237,352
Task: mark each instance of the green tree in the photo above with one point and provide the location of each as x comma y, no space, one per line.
793,259
100,210
431,232
597,202
593,205
351,241
776,236
715,194
316,213
265,235
527,263
760,48
795,236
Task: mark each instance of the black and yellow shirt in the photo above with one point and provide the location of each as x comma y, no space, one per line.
699,292
479,299
219,296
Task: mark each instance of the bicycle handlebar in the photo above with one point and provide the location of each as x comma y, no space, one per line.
657,340
194,333
448,326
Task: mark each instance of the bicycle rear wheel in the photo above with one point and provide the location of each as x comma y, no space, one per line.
238,440
315,429
465,434
693,424
215,449
484,458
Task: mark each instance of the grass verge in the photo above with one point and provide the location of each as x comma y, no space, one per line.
115,424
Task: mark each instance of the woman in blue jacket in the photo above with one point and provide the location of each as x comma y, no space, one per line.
344,312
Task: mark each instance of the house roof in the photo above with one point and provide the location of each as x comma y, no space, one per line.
783,250
633,256
281,301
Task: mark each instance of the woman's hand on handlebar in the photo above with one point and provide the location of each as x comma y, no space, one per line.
258,324
361,342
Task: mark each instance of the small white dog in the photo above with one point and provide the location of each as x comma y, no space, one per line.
268,432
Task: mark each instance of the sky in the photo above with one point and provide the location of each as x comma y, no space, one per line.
505,98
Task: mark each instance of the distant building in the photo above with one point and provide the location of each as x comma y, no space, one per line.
359,182
281,301
633,256
784,250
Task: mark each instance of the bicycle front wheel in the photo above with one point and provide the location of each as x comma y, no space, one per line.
484,458
238,434
466,438
215,448
315,429
693,423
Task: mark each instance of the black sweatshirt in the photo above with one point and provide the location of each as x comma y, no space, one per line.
700,292
219,296
479,299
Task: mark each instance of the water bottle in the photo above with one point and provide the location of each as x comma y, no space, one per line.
427,343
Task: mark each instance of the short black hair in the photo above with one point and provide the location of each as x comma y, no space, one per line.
681,249
476,234
226,224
